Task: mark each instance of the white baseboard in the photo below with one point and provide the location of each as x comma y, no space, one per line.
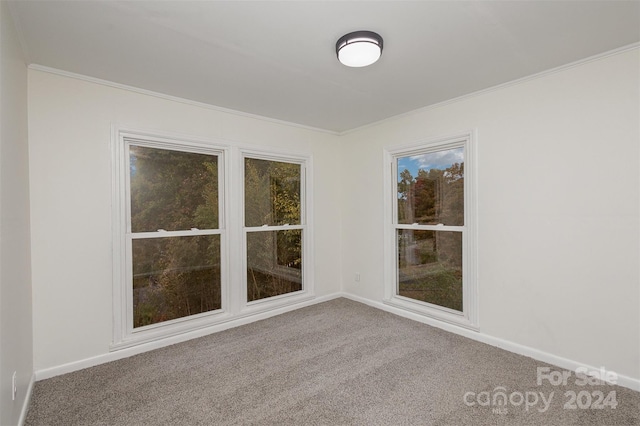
27,401
47,373
568,364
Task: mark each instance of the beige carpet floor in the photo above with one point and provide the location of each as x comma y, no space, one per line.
335,363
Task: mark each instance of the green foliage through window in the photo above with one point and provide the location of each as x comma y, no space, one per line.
274,257
430,191
271,192
174,276
434,195
430,267
172,190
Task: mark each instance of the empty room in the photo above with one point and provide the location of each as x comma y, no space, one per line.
319,212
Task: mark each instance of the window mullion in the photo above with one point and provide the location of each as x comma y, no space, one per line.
168,234
431,227
273,228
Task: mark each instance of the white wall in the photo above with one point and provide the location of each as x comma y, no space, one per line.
16,342
70,123
558,194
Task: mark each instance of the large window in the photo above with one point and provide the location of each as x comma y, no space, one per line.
274,227
430,235
169,235
175,235
196,244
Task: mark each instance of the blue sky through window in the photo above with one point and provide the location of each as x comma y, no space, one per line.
432,160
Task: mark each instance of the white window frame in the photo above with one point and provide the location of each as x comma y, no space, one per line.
469,317
124,334
305,225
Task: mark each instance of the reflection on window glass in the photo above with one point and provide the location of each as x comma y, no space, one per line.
430,267
172,190
271,193
274,263
175,277
431,188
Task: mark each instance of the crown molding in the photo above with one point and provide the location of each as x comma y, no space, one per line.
82,77
177,99
498,87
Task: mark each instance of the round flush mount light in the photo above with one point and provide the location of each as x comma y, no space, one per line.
359,48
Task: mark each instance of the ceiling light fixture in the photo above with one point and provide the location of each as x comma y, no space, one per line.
359,48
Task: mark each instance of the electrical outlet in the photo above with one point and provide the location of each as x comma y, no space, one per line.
14,386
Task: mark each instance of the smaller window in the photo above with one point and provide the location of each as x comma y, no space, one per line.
275,227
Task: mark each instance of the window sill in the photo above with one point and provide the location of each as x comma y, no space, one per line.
432,311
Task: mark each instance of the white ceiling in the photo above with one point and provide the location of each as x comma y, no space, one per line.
277,59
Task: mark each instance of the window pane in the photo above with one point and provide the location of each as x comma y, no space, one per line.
430,267
431,188
172,190
271,192
274,263
175,277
